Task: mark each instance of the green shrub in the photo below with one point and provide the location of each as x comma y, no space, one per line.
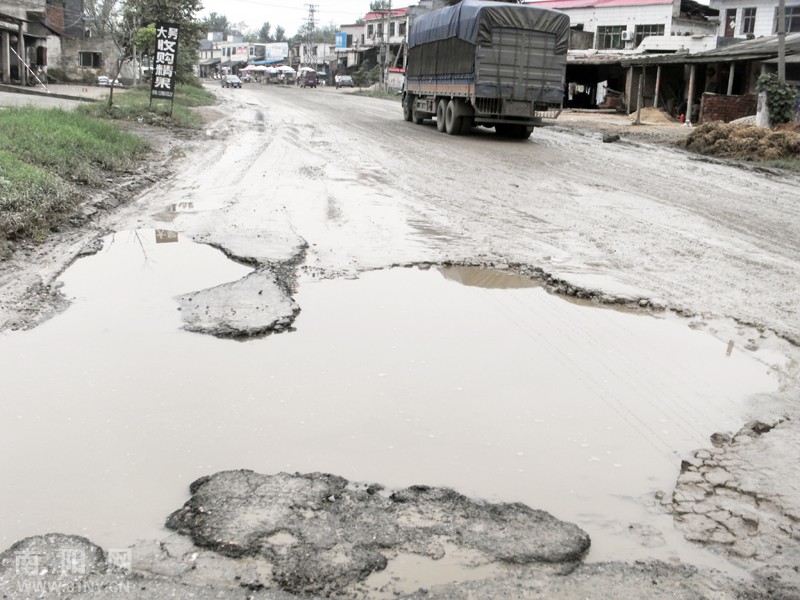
781,97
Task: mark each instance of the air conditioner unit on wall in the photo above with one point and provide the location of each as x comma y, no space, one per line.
627,36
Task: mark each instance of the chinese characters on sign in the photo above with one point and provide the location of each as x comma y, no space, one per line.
163,84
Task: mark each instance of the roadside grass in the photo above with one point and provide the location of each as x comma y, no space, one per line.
44,155
66,143
30,199
790,164
377,94
135,105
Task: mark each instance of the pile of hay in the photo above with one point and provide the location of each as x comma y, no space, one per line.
746,142
653,115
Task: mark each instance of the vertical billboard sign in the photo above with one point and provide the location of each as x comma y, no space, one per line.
163,84
341,40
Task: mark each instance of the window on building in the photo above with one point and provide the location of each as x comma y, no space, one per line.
792,19
92,60
380,30
403,28
609,37
370,30
643,31
748,20
392,27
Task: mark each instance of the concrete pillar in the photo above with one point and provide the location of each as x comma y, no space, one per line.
690,99
658,86
730,78
629,88
5,56
21,51
640,96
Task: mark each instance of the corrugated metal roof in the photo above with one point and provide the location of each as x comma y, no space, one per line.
763,48
567,4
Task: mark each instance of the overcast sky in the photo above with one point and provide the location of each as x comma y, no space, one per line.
288,13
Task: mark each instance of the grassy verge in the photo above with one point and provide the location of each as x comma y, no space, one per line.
44,155
135,105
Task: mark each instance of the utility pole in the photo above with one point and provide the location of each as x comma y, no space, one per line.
385,48
310,54
782,41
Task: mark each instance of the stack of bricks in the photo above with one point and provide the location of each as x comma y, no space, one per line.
714,107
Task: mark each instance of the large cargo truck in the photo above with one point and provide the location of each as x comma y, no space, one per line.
486,63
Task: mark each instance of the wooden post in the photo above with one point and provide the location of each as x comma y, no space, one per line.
730,79
690,99
658,85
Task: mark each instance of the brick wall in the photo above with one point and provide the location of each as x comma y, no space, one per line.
714,107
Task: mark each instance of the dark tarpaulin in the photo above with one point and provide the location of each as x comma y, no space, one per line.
473,20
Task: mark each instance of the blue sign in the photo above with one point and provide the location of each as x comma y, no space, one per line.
341,40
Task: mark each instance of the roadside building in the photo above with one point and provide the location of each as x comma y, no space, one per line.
23,39
754,18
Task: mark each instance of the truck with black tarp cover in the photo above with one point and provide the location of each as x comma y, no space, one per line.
486,63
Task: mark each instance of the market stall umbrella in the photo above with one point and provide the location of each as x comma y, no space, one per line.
256,68
302,69
272,70
287,70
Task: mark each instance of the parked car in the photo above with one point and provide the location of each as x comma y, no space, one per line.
344,81
231,81
308,79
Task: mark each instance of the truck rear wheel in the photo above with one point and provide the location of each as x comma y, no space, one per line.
441,111
452,120
408,107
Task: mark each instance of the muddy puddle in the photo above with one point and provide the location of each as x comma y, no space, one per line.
467,378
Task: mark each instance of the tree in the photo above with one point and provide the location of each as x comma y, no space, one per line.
264,33
280,34
181,13
322,35
215,22
379,5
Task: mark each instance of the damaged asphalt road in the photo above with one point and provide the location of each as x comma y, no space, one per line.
247,535
306,186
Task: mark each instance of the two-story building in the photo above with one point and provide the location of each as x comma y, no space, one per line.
754,18
639,25
378,40
23,39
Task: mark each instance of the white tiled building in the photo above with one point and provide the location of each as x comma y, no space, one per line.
641,25
754,18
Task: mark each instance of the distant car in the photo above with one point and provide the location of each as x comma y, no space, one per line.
106,81
308,79
344,81
231,81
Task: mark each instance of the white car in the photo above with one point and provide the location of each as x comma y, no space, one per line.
106,81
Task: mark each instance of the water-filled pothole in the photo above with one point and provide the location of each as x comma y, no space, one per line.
402,377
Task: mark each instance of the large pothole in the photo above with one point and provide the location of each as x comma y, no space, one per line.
405,376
